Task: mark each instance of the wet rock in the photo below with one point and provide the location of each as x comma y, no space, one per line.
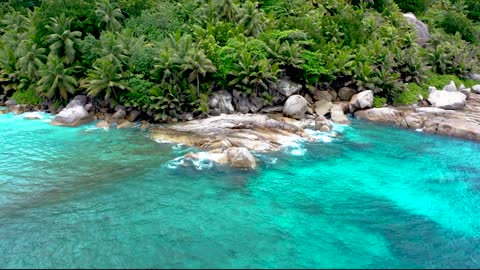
103,124
125,124
240,157
295,107
118,115
322,124
133,115
338,116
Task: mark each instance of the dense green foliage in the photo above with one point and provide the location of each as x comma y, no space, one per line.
166,57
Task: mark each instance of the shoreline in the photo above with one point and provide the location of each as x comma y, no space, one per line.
230,138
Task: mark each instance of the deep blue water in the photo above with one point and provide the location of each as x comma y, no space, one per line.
373,197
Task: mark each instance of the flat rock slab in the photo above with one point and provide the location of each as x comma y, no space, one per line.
255,132
457,123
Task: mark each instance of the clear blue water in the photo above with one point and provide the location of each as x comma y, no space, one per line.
374,197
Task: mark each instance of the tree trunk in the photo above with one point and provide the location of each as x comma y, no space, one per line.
198,86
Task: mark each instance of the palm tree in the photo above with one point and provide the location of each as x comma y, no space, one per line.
15,22
31,61
55,79
111,48
62,41
8,71
197,64
109,14
252,19
252,72
105,78
227,9
290,55
165,68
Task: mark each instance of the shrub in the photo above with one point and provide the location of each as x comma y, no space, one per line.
378,102
439,81
410,94
454,21
28,96
414,6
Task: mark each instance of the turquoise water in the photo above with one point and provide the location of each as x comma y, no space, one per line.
373,197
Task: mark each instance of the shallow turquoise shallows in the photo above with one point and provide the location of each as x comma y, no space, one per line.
373,197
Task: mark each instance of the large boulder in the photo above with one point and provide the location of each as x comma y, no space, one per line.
474,76
11,102
338,116
295,107
346,93
82,99
73,115
287,87
223,101
328,95
240,157
475,89
446,100
464,90
362,100
118,115
133,115
323,107
421,29
451,87
381,115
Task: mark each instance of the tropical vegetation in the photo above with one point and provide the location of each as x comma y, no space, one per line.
166,57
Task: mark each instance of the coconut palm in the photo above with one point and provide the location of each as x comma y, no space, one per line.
8,71
109,15
197,64
165,67
62,41
15,22
253,19
112,49
56,79
104,79
31,60
227,9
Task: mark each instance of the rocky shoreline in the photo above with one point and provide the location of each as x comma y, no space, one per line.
228,136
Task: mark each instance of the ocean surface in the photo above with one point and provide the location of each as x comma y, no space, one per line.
373,196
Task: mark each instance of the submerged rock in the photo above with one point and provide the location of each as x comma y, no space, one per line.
240,157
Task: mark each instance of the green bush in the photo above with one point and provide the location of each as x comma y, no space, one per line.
473,7
410,95
414,6
378,102
439,81
28,96
454,22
